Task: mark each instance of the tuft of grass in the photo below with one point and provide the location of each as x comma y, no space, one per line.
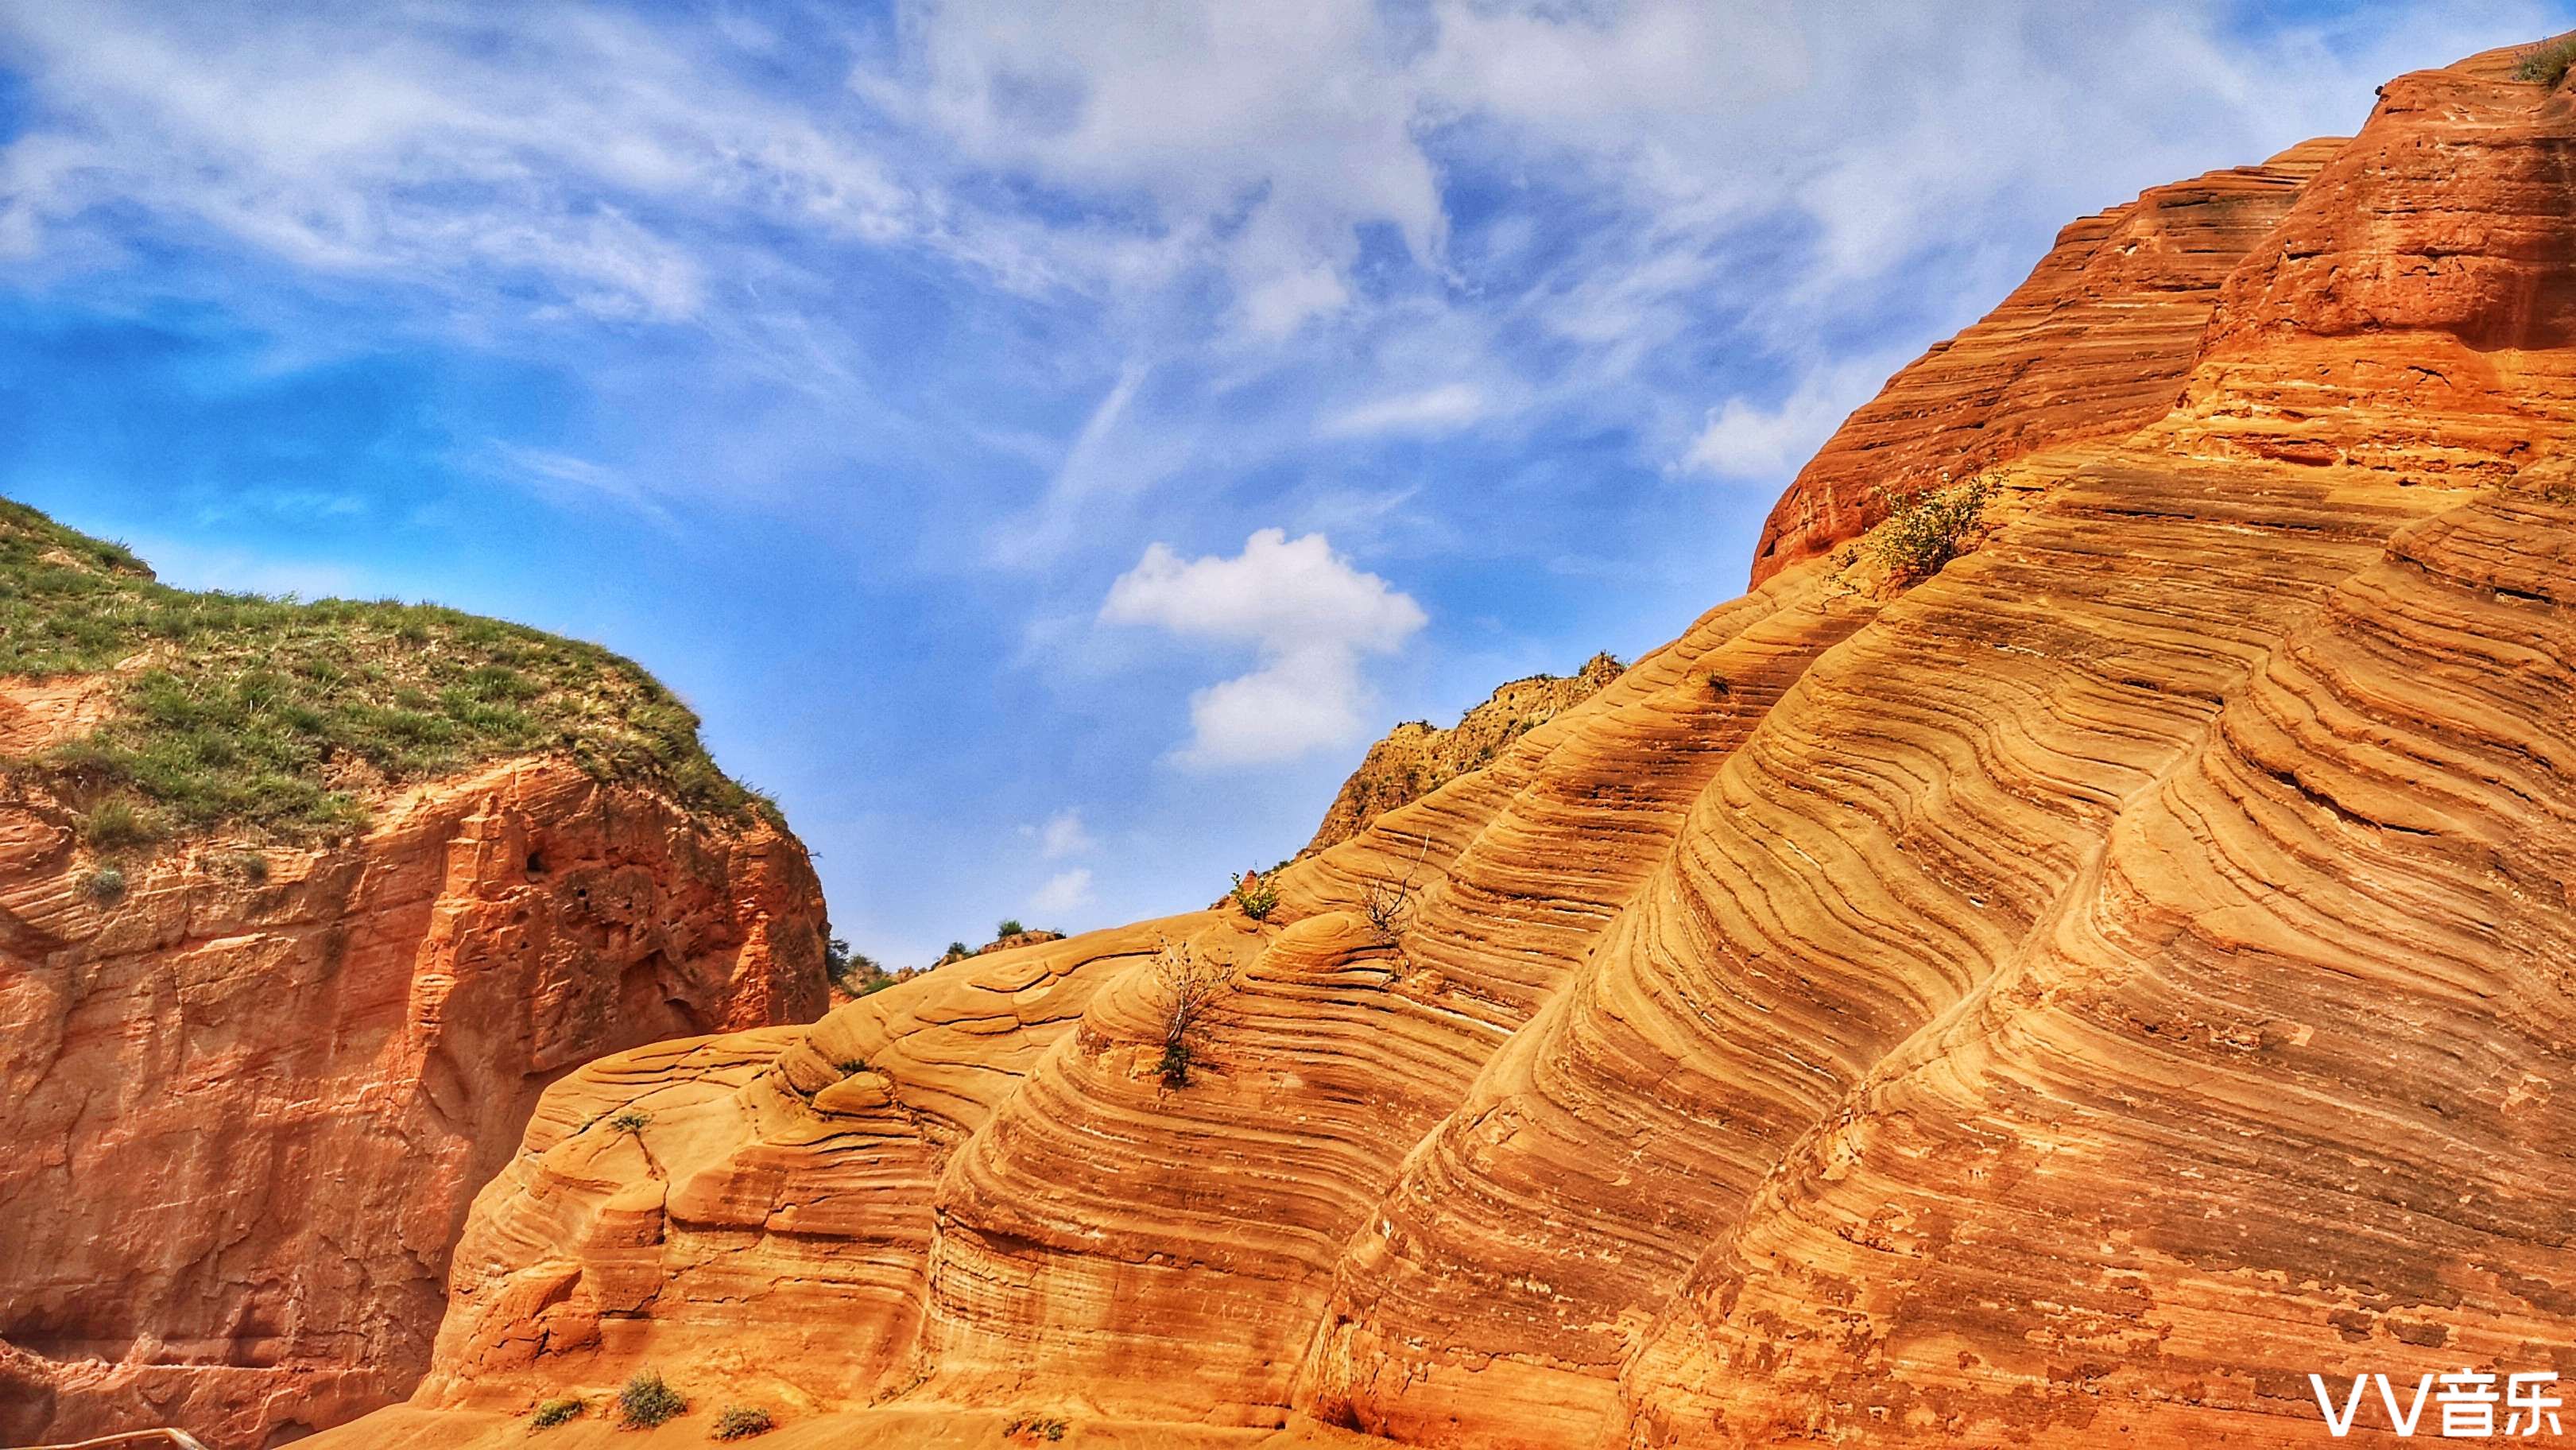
114,824
1034,1427
741,1422
2547,63
241,709
633,1120
248,865
104,884
646,1402
550,1413
1925,530
1008,926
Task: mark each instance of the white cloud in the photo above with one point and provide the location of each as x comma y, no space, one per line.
1062,835
1745,441
416,144
1442,409
1064,891
1239,194
1308,613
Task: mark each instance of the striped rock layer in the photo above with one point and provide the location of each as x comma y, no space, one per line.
2062,1002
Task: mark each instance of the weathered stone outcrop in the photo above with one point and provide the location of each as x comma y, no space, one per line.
1417,757
2094,344
2064,1002
249,1093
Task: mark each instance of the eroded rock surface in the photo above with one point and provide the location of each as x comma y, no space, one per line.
1418,757
2062,1003
249,1095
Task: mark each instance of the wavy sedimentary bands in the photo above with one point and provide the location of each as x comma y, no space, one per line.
2064,1000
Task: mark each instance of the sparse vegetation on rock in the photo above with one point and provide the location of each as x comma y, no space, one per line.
633,1120
103,883
1925,530
741,1422
242,709
647,1401
562,1410
2547,63
855,973
1417,758
114,824
1388,906
1033,1428
1255,896
250,866
1187,989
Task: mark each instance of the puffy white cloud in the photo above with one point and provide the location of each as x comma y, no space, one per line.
1308,613
1064,891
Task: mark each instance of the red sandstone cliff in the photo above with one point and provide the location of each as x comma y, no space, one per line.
2064,1002
248,1101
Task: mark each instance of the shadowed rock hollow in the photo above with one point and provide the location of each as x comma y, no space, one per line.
2061,1002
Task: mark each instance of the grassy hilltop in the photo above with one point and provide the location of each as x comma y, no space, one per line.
237,710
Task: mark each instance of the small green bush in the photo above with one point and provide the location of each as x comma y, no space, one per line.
1254,893
957,951
1926,530
1034,1427
2548,63
1008,926
114,824
248,865
741,1422
103,884
633,1120
550,1413
647,1401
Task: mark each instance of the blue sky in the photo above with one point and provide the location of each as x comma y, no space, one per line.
1048,442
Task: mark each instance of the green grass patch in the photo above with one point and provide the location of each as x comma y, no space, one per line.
2548,63
245,710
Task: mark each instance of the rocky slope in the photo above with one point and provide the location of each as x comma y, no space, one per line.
250,1078
2063,1002
1417,757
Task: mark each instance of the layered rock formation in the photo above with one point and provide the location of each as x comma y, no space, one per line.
1417,757
249,1092
2064,1002
2094,344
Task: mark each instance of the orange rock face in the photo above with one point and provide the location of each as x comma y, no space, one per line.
2094,345
249,1098
2065,1002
